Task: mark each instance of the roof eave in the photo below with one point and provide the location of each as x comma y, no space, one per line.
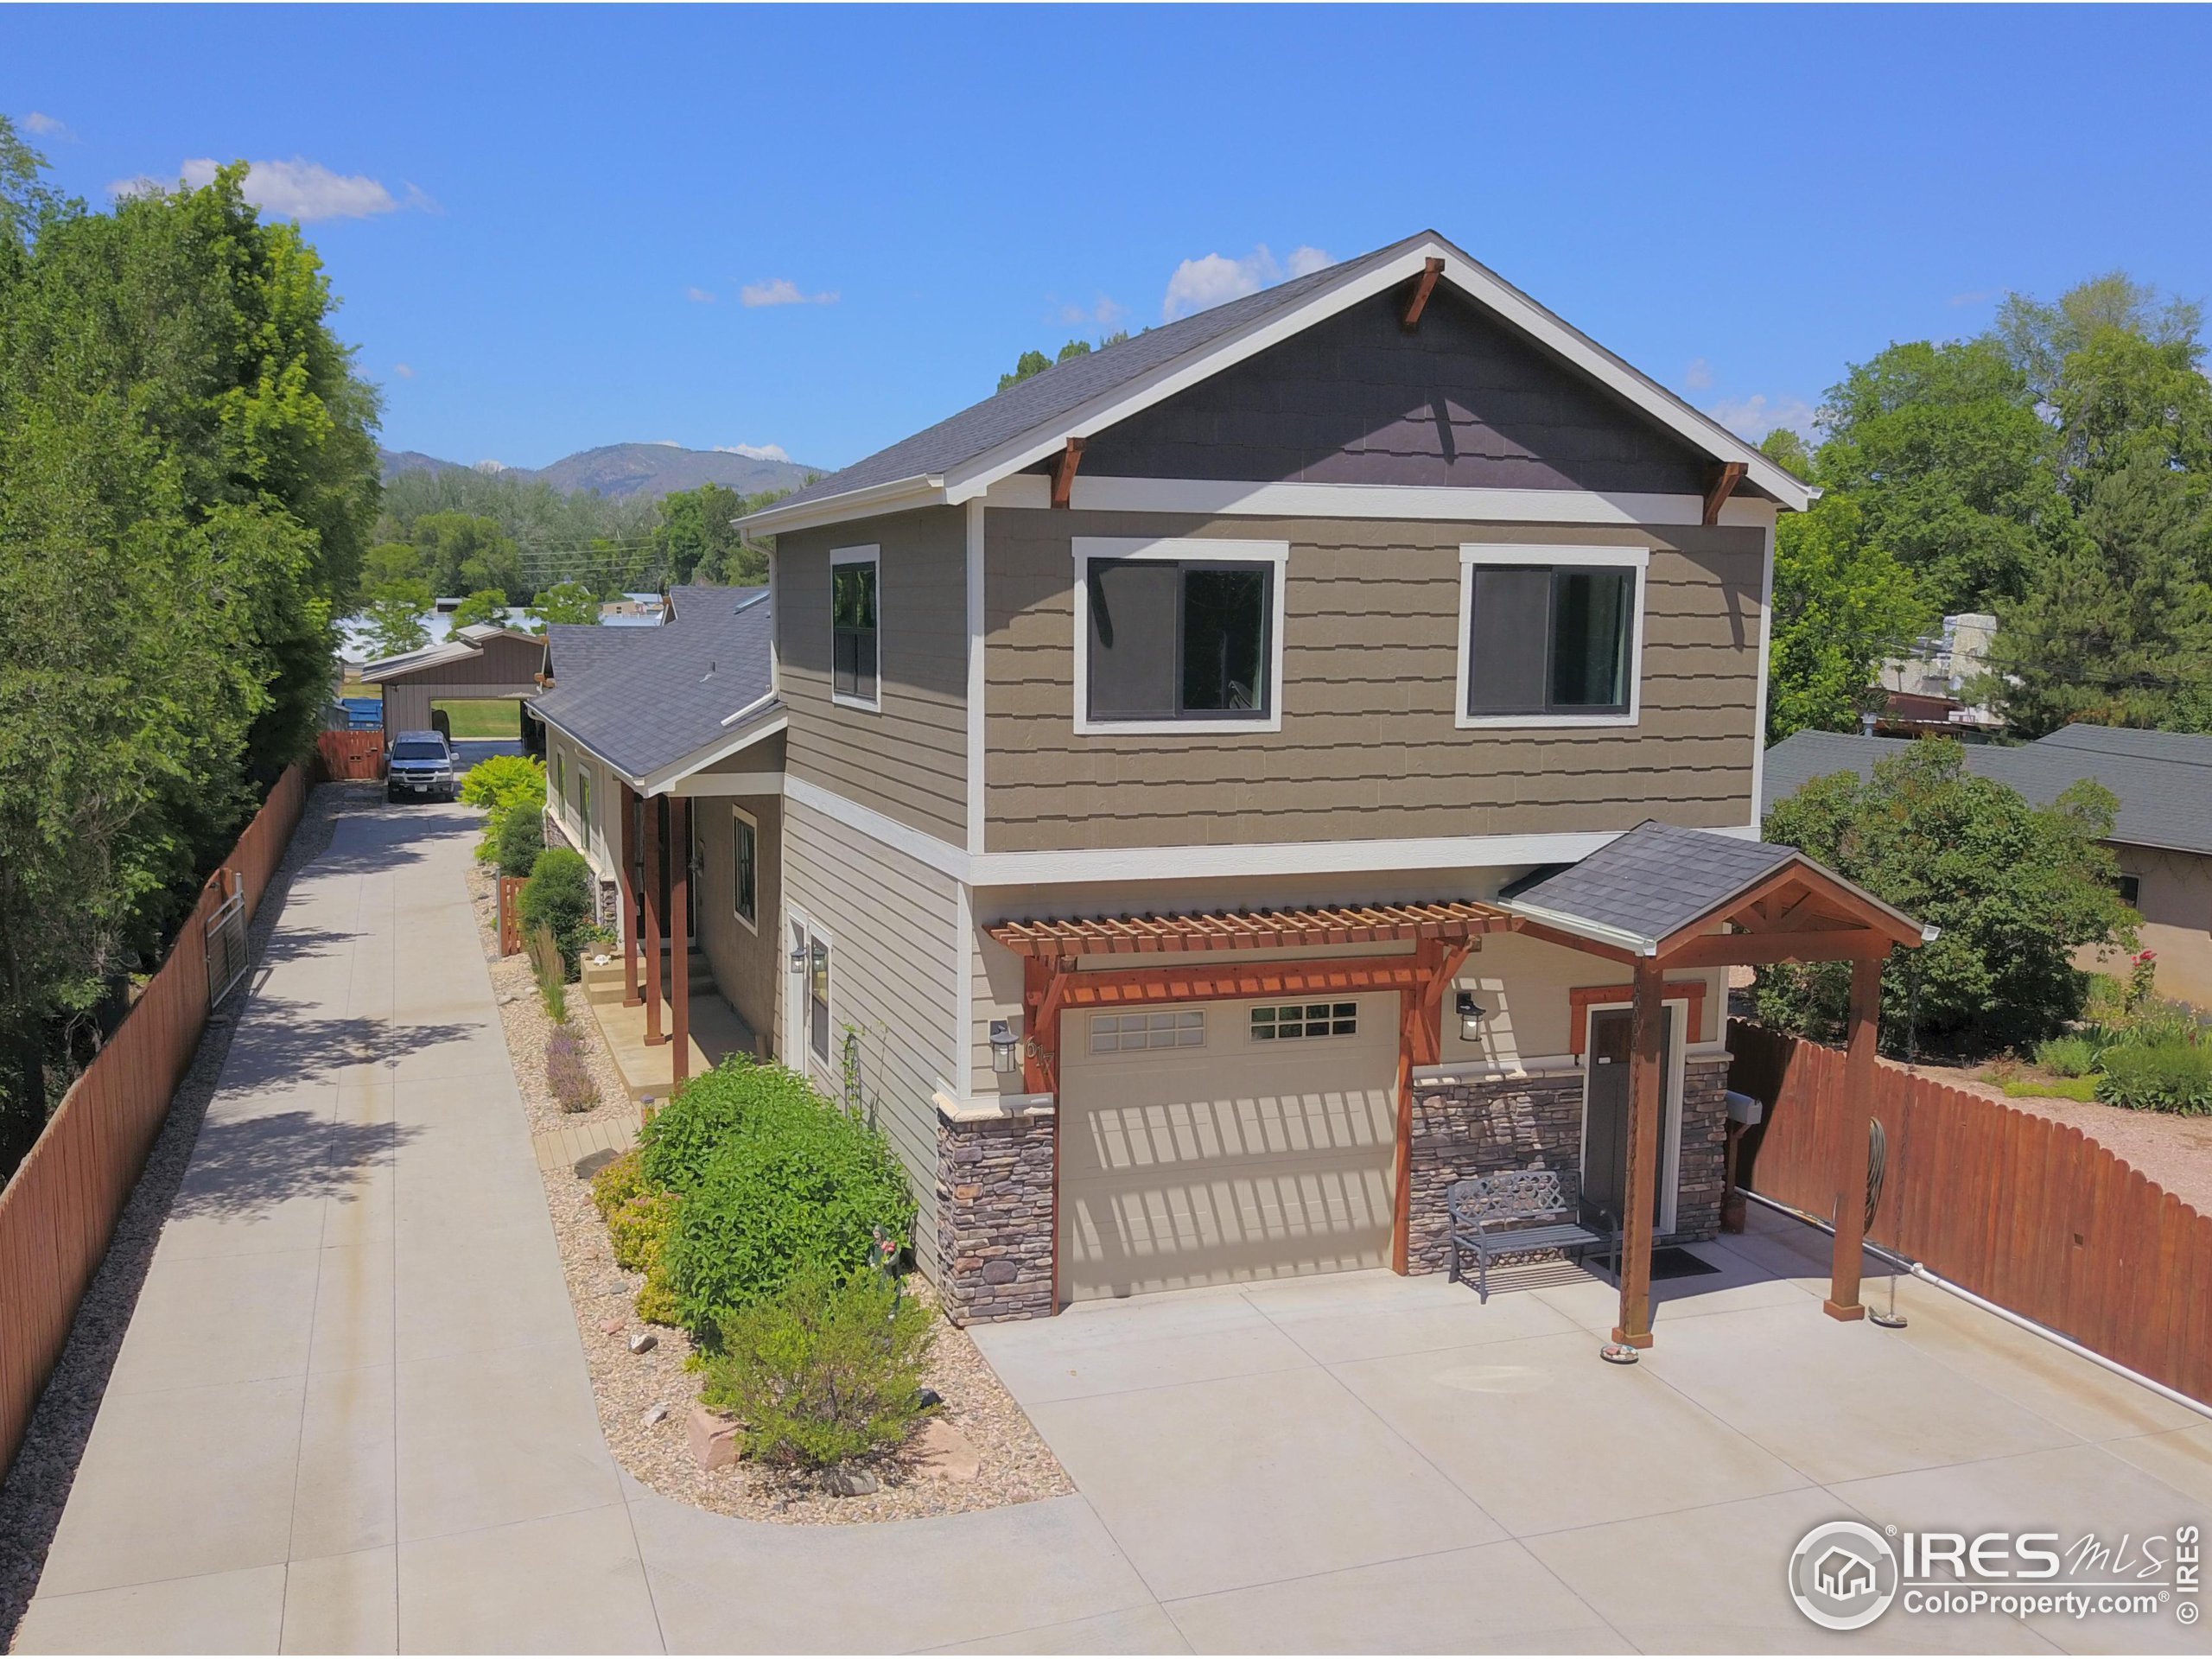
662,778
922,490
1583,927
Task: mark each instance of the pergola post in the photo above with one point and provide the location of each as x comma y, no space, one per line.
679,930
1647,1037
630,997
1856,1142
655,806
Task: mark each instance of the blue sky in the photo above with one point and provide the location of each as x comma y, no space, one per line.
524,210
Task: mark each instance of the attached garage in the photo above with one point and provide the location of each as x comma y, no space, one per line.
1217,1142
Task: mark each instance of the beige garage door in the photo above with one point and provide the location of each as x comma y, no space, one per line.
1208,1143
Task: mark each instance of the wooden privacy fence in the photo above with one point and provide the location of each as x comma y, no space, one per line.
351,755
59,1210
2028,1213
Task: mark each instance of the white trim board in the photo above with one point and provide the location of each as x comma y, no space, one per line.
1411,502
707,785
1197,548
1766,652
974,574
1473,555
1084,866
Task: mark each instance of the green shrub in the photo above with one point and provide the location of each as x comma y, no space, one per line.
506,786
827,1368
2168,1076
657,1303
798,1184
551,973
558,896
521,838
639,1229
707,1113
620,1182
2066,1056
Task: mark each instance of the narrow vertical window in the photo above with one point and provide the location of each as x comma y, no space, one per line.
746,875
853,597
818,997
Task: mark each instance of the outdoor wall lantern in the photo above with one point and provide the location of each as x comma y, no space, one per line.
798,958
1471,1015
1006,1049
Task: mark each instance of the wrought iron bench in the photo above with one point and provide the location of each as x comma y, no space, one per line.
1520,1211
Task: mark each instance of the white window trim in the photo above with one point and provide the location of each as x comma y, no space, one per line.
1088,548
802,997
870,554
1677,1011
751,924
1474,554
583,809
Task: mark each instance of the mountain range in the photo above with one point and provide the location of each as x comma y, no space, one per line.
641,471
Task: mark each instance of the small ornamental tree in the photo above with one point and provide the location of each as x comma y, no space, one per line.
2015,890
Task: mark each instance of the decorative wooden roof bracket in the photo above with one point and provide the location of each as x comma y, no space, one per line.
1430,270
1726,477
1063,472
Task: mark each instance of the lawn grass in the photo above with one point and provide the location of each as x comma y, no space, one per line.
2057,1088
482,716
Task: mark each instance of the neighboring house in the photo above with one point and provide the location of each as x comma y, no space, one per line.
1190,764
2162,835
480,660
1928,690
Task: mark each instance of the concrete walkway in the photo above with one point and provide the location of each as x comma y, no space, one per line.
351,1412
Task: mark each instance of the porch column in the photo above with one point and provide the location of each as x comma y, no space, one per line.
655,806
679,926
628,803
1856,1139
1420,1042
1647,1030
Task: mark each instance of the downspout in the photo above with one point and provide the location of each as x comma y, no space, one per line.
1920,1272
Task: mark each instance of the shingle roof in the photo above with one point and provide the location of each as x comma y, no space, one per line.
644,698
2164,779
1655,880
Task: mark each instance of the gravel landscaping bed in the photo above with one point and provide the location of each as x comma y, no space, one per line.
38,1482
1014,1464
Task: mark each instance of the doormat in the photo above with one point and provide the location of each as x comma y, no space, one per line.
1673,1261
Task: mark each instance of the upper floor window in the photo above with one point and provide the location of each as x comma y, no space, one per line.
853,666
1179,636
1550,636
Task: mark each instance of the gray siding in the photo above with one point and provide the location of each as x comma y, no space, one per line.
893,980
1464,401
747,960
909,759
1368,747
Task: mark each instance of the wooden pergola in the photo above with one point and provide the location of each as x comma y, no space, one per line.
1747,905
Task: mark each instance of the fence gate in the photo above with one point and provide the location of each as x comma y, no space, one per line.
226,951
510,914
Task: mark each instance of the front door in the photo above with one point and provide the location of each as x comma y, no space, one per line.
661,816
1605,1112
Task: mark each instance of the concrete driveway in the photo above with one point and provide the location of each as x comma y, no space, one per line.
352,1411
1363,1463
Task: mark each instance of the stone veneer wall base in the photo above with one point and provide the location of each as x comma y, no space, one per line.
994,1213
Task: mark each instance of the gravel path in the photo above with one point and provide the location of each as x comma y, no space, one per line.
1015,1465
38,1484
2175,1151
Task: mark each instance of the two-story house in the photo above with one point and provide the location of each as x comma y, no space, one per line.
1186,768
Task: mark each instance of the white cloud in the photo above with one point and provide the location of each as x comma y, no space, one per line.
781,290
404,371
665,444
698,296
1753,418
1102,313
1978,296
40,126
1698,375
1201,284
296,189
755,451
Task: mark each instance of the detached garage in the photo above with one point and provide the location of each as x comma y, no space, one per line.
479,661
1217,1142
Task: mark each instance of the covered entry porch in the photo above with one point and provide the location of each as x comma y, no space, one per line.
1264,1167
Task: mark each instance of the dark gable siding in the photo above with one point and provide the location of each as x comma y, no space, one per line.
1464,401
